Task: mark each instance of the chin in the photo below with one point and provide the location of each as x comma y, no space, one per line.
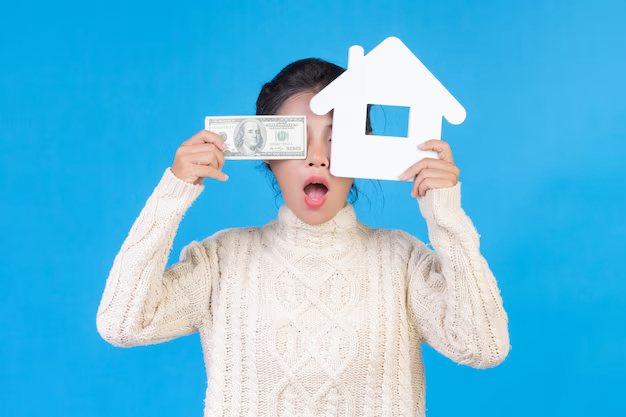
315,217
319,215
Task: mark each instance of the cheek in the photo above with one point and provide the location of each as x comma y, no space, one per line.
286,175
343,185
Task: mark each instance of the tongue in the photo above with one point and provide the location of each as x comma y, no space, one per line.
315,191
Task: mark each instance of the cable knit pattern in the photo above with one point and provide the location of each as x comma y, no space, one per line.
308,320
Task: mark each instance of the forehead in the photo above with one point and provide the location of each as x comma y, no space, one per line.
250,125
298,104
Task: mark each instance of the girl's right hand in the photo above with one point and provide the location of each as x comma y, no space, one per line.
200,156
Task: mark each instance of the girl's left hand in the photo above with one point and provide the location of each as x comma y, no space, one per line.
432,173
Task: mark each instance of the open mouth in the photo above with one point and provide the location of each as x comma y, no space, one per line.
315,191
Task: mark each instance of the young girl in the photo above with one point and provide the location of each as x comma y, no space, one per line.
314,313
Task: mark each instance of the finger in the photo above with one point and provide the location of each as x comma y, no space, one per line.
414,169
205,136
441,147
415,187
433,183
202,159
431,173
208,171
204,150
220,159
211,159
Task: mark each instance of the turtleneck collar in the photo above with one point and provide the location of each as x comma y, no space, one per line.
336,234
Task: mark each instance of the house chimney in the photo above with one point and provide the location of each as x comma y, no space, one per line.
355,55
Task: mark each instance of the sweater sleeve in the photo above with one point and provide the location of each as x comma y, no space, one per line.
143,303
453,297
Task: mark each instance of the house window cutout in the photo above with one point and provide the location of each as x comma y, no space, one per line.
389,120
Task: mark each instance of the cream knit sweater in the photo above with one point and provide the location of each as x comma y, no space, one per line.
308,320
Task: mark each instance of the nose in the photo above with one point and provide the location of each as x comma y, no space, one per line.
317,154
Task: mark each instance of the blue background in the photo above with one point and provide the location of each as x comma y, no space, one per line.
95,98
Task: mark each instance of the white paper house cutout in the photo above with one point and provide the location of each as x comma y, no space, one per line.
389,75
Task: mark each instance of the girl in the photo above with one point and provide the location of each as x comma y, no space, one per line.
314,313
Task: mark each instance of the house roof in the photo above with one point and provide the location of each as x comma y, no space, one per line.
392,72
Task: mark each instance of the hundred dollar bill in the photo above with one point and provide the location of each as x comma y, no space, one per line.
260,137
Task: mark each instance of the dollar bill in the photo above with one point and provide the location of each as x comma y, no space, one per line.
260,137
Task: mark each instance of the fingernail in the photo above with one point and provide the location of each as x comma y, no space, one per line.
421,146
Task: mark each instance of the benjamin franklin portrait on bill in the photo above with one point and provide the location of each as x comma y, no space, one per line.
250,137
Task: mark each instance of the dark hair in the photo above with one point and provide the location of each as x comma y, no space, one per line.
309,74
